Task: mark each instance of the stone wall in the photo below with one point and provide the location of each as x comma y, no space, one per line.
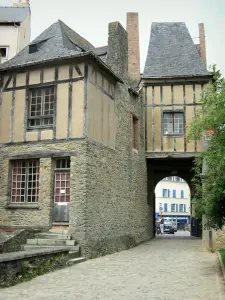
40,216
12,241
219,239
108,207
212,241
118,216
24,265
117,57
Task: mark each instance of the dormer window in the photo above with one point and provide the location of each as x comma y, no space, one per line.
33,48
36,46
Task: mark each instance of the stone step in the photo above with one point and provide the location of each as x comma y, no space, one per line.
54,236
77,260
34,247
63,231
50,242
74,254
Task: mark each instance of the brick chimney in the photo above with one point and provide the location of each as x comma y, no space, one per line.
202,42
133,47
117,57
21,3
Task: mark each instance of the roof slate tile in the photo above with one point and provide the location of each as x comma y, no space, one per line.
13,14
172,53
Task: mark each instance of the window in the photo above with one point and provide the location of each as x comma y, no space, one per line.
173,207
41,108
135,131
25,181
62,164
173,122
174,193
3,52
181,208
184,207
165,207
176,207
182,194
166,193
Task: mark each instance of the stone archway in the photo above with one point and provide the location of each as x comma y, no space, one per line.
157,169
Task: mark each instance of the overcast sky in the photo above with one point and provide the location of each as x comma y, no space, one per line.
90,19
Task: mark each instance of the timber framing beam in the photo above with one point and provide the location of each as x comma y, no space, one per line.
44,84
41,154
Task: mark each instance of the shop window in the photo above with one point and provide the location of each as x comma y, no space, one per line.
25,181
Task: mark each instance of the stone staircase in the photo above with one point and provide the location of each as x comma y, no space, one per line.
55,239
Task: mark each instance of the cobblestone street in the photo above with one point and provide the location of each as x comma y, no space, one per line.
167,268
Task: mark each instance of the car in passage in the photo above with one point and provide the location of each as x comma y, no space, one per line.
174,223
169,227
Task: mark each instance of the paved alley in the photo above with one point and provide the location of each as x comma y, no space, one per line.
167,268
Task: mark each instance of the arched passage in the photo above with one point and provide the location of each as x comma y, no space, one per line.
161,167
172,202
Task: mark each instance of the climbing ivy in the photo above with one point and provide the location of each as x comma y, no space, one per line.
209,198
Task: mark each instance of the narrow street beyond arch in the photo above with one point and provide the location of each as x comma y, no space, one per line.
166,268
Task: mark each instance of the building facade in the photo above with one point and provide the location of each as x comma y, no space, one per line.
173,199
15,29
79,141
72,146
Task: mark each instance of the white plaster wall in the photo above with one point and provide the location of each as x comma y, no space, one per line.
171,185
24,36
8,38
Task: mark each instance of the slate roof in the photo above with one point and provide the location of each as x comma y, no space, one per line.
58,42
102,53
13,14
172,53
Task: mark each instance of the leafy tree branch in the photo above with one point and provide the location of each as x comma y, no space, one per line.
209,198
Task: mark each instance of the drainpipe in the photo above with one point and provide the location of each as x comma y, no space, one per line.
17,47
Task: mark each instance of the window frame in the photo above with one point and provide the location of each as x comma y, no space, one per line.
182,194
7,52
173,205
26,188
165,207
165,193
181,206
174,193
59,169
173,112
42,116
135,131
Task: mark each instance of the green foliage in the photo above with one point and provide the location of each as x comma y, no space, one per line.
222,253
28,269
209,197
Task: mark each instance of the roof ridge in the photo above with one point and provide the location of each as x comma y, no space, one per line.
72,35
179,22
14,6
